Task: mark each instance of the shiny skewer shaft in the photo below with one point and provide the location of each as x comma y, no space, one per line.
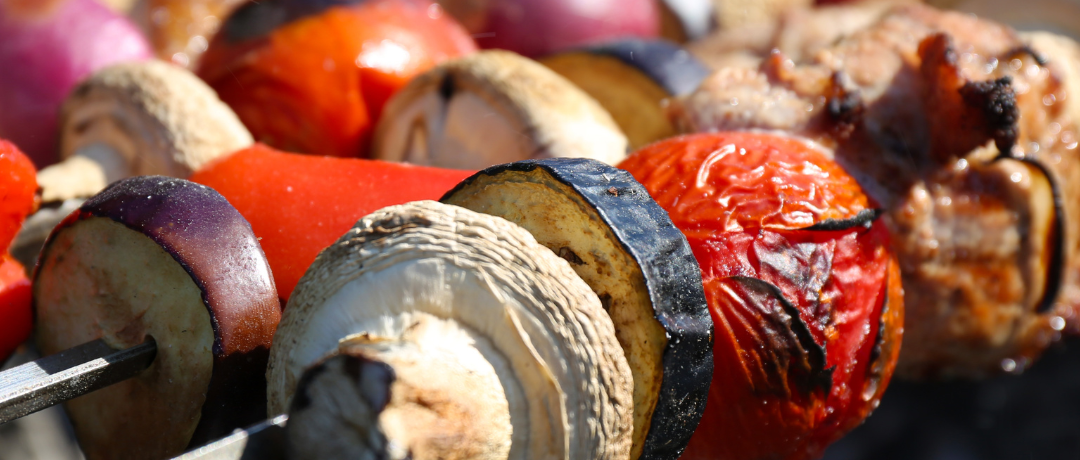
69,374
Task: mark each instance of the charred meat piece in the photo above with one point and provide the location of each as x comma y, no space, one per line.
962,131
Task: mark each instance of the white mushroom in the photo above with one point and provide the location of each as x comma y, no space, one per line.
138,118
498,350
490,108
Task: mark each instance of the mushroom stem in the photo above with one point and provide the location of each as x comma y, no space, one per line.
432,393
84,174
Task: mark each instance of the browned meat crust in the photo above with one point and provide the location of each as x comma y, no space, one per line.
962,132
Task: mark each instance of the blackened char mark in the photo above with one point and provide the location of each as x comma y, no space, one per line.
863,219
845,108
997,102
806,365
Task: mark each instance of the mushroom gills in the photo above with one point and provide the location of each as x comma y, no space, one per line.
411,284
618,240
490,108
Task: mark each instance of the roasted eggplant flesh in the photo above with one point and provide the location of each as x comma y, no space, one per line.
604,224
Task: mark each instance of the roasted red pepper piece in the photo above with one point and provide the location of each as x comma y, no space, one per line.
299,204
18,188
314,79
803,289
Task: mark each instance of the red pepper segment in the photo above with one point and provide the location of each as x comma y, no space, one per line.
16,319
802,287
299,204
18,188
317,84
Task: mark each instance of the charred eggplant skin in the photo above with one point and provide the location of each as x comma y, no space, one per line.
668,65
674,286
209,238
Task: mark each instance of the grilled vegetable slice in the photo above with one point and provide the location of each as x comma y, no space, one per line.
456,335
170,260
623,245
800,282
490,108
632,79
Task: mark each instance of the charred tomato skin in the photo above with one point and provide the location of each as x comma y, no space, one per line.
800,282
313,77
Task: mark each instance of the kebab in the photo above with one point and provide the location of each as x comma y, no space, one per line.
961,130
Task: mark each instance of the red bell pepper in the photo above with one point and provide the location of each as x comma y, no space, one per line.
299,204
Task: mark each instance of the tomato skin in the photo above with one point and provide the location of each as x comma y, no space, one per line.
318,84
16,317
783,387
299,204
18,189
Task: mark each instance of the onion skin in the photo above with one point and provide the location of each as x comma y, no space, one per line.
45,48
781,230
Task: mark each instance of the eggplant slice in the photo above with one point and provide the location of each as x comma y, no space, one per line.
632,79
625,247
490,108
445,333
172,260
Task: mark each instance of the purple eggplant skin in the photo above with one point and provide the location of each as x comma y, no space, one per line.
209,238
46,47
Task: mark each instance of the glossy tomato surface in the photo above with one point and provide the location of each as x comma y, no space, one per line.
299,204
313,77
803,290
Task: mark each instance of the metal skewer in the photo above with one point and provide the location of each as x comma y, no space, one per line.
69,374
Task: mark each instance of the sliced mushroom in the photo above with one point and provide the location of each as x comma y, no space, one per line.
138,118
618,240
496,346
490,108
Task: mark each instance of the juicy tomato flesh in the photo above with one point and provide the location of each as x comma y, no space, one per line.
745,202
299,204
318,84
18,188
16,318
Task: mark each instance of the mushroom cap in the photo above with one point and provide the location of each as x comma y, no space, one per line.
161,118
567,384
490,108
